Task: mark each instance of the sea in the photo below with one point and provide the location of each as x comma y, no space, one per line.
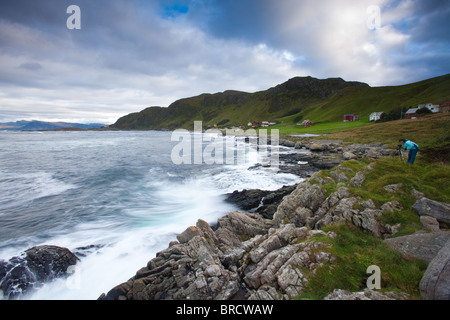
114,198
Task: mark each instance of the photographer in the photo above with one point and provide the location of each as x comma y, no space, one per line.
412,147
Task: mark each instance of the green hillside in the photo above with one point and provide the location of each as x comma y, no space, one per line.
299,98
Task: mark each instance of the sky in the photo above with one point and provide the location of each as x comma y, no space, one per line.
132,54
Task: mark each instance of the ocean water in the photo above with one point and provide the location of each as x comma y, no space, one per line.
114,198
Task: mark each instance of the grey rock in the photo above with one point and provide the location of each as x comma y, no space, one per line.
367,294
422,246
392,188
436,209
430,223
358,179
435,284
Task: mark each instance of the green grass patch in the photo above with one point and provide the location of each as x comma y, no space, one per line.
355,251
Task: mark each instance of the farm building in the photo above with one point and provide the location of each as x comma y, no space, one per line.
306,123
375,116
351,117
412,113
432,107
445,107
268,123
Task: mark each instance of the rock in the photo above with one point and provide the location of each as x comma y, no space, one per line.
422,246
305,195
247,199
436,209
367,294
435,284
430,223
237,227
36,266
187,235
418,195
348,155
368,220
358,179
392,188
391,206
318,147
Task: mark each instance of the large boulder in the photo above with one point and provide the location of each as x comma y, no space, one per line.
36,266
424,246
435,284
436,209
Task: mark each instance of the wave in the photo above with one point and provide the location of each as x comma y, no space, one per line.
19,188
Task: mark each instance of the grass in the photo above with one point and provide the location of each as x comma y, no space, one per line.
355,251
320,128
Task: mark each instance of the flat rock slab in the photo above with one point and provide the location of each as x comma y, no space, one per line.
424,246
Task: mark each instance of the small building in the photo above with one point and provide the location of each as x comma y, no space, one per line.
411,113
306,123
445,107
255,124
268,123
375,116
351,117
432,107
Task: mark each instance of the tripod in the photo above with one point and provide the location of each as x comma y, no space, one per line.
401,153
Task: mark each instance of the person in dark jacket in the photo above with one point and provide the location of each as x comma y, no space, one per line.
412,147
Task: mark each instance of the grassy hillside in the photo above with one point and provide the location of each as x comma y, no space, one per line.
300,98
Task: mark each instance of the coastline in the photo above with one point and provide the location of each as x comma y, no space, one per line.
262,255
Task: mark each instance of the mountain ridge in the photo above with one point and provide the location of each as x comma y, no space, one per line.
25,125
296,99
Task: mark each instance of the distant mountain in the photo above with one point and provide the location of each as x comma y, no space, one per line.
24,125
288,103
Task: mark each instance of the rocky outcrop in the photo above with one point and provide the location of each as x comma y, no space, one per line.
348,151
307,206
263,202
367,294
37,265
246,257
435,284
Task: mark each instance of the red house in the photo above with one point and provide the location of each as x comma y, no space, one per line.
306,123
351,117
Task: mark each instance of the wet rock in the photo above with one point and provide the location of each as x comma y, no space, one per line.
36,266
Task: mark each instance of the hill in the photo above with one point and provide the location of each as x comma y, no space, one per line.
299,98
24,125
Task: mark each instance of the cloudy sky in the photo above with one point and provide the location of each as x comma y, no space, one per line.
132,54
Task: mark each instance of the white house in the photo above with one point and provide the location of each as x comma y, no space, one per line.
375,116
432,107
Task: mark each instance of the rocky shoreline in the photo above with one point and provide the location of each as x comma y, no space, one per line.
271,249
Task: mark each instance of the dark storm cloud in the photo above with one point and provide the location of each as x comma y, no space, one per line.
130,54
